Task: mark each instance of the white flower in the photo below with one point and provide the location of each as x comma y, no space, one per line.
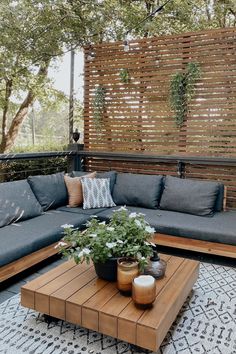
60,244
138,223
122,208
84,252
133,215
141,214
149,229
67,226
143,258
93,235
102,223
110,228
110,244
120,241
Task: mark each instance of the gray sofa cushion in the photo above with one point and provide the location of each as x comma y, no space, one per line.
109,174
50,190
17,202
78,173
221,227
80,210
189,196
21,239
219,205
137,190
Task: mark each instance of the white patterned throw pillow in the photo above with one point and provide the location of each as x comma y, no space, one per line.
96,193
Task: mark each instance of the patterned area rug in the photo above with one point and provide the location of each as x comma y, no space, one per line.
205,324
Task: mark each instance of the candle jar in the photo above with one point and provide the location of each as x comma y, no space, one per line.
144,290
127,270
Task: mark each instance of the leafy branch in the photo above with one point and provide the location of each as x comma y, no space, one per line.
182,91
98,105
124,76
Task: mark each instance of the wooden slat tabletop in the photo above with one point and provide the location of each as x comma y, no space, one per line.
74,293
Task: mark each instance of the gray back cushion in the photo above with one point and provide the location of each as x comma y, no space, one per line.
189,196
137,190
17,202
220,198
109,174
78,173
50,190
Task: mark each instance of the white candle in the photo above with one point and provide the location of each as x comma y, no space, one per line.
144,289
144,281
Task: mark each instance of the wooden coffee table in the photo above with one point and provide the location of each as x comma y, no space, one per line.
74,293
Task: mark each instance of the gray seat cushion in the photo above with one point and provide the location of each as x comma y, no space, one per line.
189,196
137,190
17,202
50,190
80,210
21,239
219,228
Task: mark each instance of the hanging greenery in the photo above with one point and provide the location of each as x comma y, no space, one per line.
98,105
124,76
182,91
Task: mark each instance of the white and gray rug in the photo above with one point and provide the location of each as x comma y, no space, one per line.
205,324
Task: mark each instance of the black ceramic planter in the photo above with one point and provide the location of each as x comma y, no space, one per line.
107,270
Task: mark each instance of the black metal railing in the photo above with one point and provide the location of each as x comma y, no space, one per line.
48,162
180,161
20,166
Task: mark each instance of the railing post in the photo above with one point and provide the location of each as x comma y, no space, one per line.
181,169
75,160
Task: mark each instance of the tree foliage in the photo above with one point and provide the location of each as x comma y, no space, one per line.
35,32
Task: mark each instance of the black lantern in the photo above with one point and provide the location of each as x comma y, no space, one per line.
76,135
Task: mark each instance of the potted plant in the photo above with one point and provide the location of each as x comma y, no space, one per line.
126,235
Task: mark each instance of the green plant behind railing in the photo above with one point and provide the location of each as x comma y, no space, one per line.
182,91
124,76
98,105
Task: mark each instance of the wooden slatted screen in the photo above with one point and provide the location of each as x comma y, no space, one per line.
137,114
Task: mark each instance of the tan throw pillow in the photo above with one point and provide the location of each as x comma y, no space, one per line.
74,189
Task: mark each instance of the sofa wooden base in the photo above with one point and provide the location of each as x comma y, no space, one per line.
218,249
214,248
26,262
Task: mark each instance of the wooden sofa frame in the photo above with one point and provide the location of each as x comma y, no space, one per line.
9,270
213,248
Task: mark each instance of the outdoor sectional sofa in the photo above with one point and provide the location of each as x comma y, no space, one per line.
185,214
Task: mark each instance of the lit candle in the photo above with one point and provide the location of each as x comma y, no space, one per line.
144,290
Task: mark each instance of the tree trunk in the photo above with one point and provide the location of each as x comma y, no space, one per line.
8,91
8,139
